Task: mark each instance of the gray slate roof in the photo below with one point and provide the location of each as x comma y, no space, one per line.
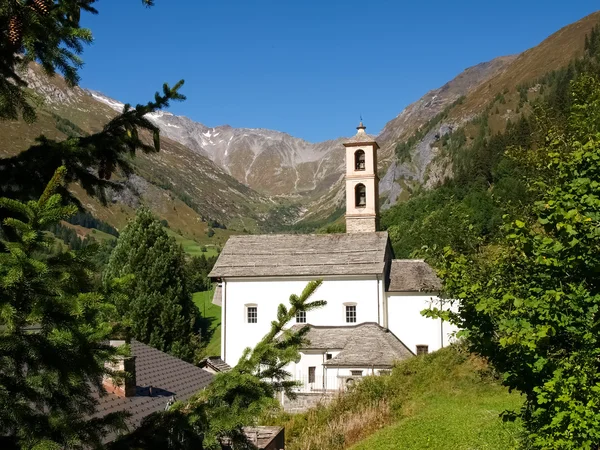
302,254
215,363
413,275
364,345
360,138
168,376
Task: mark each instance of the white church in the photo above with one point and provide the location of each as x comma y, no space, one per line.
373,314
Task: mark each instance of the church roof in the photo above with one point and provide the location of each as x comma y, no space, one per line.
361,137
413,275
302,255
364,345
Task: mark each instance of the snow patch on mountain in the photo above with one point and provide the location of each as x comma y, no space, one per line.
114,104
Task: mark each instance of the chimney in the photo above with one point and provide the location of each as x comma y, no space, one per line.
124,385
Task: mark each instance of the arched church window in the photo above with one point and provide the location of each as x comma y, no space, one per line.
359,160
360,194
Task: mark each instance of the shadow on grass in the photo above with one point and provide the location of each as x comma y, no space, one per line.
206,326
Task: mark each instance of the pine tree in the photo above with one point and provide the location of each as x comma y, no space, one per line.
159,305
52,329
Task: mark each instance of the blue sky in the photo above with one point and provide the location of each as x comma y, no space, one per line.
309,67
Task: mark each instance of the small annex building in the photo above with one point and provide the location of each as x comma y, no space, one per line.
374,302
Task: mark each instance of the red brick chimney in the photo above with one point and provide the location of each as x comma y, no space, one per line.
125,384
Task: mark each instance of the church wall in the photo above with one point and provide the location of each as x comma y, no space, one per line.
407,323
267,294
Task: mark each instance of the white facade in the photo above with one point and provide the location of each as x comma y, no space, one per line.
399,312
411,327
266,294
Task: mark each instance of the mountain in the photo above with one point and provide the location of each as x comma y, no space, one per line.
259,179
183,187
416,132
270,162
309,175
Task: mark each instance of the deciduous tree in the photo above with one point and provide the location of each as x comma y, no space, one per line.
530,302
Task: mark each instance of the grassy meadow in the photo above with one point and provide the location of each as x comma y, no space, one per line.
191,247
212,316
446,400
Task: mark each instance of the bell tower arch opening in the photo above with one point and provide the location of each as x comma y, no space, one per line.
359,160
360,196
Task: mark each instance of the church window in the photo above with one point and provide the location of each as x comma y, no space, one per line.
359,160
360,194
350,313
252,314
301,317
312,371
422,349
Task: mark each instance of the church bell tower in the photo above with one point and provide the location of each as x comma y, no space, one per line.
362,184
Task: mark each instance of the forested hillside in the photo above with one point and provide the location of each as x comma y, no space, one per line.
487,181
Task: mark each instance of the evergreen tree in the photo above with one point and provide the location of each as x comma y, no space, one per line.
52,329
197,270
159,306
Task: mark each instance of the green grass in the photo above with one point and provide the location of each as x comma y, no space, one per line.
101,236
203,301
462,420
447,400
191,247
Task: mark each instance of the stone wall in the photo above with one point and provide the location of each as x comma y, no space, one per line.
361,224
305,401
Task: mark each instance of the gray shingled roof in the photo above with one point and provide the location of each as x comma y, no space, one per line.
215,363
361,137
364,345
168,376
413,275
302,254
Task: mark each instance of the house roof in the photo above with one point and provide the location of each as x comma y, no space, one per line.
364,345
168,376
215,363
412,275
302,254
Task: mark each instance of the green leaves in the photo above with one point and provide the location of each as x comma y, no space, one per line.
530,300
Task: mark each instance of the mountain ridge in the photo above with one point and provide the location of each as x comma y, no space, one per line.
257,179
